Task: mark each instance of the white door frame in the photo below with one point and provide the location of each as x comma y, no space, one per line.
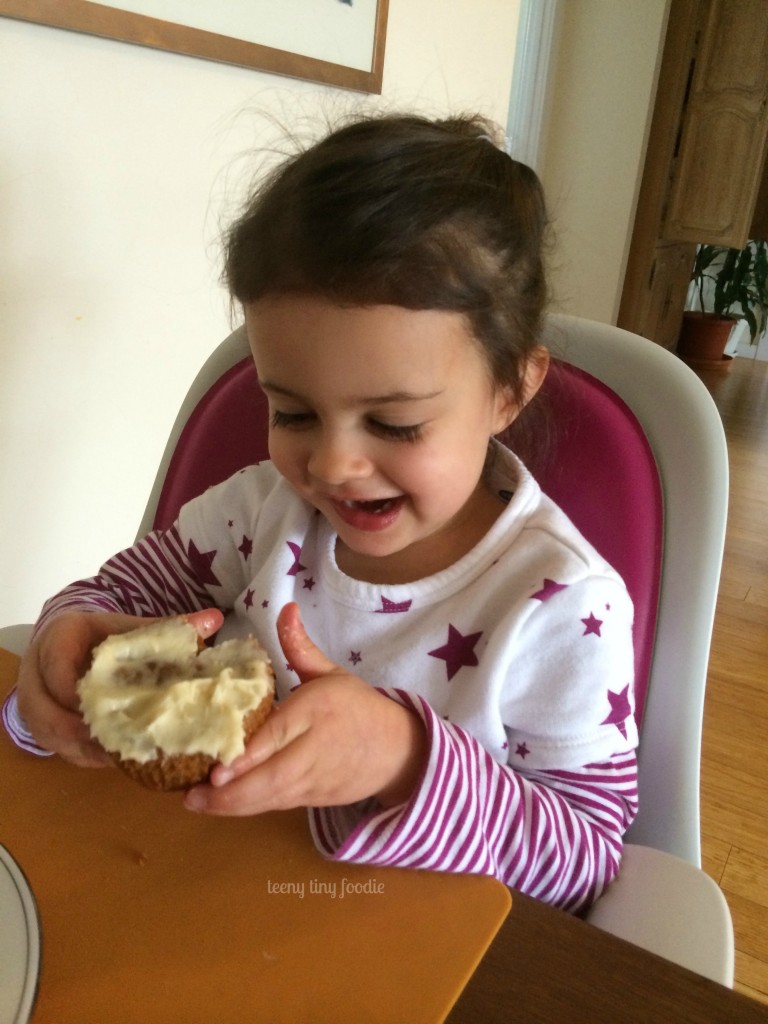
527,104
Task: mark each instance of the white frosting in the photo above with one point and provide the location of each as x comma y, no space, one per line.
149,691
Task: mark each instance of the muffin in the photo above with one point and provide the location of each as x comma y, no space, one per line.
168,711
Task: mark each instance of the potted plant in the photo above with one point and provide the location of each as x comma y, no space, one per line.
730,285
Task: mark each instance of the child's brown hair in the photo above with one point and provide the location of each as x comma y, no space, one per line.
406,211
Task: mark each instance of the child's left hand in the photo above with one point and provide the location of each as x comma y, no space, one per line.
334,740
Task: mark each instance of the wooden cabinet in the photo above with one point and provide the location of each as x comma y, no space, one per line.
663,314
721,153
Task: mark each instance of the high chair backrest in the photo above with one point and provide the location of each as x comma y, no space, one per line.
638,462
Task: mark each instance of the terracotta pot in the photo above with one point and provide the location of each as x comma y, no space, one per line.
721,365
703,337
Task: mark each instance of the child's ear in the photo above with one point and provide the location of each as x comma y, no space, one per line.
536,369
508,406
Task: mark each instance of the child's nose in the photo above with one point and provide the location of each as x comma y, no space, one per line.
335,460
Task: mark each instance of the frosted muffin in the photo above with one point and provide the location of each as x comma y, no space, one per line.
168,711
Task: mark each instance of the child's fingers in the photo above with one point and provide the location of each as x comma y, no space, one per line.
206,622
47,697
303,655
280,783
84,753
285,725
333,741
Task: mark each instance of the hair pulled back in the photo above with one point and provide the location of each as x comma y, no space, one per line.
406,211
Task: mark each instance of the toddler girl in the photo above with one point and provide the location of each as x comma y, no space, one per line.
454,661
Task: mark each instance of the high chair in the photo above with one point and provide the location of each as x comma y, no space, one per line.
638,444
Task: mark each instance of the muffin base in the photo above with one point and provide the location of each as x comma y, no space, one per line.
181,771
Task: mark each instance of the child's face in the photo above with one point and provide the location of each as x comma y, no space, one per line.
380,418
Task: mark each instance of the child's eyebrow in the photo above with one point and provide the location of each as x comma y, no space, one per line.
389,398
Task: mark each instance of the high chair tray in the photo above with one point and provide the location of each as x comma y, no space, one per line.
150,912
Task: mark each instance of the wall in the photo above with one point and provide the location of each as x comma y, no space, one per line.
119,165
600,99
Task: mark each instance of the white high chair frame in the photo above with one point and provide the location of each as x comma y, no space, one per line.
661,900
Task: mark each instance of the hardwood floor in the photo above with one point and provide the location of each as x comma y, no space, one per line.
734,775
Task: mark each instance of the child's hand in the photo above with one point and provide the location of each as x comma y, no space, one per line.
333,741
58,656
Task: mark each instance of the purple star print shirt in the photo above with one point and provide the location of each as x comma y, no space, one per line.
518,658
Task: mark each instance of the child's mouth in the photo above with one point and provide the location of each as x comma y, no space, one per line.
376,507
369,515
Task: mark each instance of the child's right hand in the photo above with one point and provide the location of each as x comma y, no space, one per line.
56,659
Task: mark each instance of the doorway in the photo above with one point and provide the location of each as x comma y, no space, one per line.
704,177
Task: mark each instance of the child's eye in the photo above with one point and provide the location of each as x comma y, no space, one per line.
396,433
290,419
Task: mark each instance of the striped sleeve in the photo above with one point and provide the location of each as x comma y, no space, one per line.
17,729
555,835
154,577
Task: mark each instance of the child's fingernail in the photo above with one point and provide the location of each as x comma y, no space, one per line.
194,800
222,776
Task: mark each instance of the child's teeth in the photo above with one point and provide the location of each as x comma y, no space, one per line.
378,505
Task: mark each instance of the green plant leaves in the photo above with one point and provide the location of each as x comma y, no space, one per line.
740,278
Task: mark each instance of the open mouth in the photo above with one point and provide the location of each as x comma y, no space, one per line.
370,515
376,507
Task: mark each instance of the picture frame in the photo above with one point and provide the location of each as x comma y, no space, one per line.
141,22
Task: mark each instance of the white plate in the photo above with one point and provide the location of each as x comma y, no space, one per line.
19,943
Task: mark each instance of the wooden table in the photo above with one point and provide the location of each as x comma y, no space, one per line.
545,967
149,912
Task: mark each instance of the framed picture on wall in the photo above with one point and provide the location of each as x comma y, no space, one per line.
334,42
